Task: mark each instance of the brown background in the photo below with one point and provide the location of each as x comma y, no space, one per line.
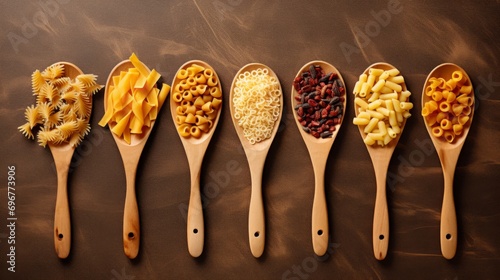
229,34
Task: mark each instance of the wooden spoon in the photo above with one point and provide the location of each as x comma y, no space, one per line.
130,154
62,155
319,149
195,150
381,156
256,156
448,155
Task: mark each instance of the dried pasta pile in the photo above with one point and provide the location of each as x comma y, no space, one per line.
198,99
382,105
257,104
450,105
133,101
63,106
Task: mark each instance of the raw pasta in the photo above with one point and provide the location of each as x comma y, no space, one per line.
449,106
133,100
198,99
63,107
256,102
382,105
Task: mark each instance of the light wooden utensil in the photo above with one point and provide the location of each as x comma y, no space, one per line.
256,156
62,155
319,149
448,156
130,154
381,157
195,151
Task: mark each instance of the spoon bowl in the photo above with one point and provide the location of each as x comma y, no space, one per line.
319,149
256,155
130,154
448,154
381,157
62,154
195,149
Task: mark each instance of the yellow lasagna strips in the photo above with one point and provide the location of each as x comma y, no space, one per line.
134,100
450,105
63,107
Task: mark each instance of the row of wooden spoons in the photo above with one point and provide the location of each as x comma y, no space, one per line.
256,154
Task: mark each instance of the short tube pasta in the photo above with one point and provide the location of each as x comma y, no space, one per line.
198,100
382,105
448,110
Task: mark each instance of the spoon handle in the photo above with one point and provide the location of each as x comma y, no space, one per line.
62,223
320,232
448,231
380,215
131,226
195,224
256,215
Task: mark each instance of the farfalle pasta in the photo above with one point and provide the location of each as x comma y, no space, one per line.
63,107
449,105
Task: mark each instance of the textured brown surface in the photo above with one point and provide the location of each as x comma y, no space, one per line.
229,34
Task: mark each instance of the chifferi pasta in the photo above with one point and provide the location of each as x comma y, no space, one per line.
198,98
382,105
256,101
449,104
133,101
63,107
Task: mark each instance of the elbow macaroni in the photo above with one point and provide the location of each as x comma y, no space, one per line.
382,105
198,99
449,105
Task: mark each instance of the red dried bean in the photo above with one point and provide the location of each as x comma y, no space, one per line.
320,100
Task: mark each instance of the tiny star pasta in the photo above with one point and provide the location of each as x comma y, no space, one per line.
62,109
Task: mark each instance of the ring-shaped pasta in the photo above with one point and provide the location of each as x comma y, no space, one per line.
212,81
195,131
449,136
437,131
184,130
444,106
187,96
182,74
208,73
215,92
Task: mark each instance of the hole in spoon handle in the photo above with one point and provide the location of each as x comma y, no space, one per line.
320,224
131,227
62,224
195,224
448,229
380,226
